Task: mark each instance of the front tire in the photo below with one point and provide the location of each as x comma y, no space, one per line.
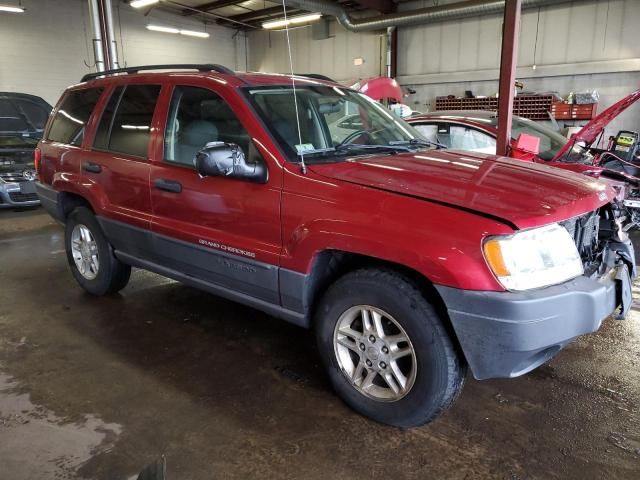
90,255
386,350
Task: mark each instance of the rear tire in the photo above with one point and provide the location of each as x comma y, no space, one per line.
404,369
90,255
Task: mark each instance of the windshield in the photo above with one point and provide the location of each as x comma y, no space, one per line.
550,142
331,119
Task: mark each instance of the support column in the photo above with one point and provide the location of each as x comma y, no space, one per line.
104,41
390,53
98,46
508,64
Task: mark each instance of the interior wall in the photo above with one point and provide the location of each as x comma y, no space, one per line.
582,45
51,44
333,56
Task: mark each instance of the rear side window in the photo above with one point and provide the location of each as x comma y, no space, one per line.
72,116
126,122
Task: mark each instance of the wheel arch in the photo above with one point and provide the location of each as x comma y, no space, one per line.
68,201
330,265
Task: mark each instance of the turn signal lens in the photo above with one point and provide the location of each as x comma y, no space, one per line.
493,254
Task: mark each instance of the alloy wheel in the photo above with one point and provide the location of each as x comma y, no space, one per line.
375,353
84,251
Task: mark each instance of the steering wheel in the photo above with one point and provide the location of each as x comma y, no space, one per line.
353,135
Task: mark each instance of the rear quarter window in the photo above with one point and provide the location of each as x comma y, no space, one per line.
72,116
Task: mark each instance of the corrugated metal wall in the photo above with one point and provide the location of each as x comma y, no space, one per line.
569,33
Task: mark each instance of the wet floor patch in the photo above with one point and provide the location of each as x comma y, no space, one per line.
35,443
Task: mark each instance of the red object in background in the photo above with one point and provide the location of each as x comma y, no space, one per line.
526,147
380,88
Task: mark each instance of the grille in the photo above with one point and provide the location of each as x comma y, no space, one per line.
584,231
13,177
18,197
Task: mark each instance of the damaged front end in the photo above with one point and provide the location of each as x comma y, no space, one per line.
605,249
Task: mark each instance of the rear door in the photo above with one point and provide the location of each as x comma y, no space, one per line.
116,170
223,231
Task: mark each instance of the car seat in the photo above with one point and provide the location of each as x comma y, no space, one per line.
194,137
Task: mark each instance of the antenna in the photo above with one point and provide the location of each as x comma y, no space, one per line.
293,84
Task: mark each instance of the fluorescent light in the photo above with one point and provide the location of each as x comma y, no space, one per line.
292,21
142,3
10,9
189,33
158,28
193,33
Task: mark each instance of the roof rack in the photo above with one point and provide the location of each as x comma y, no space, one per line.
317,76
206,67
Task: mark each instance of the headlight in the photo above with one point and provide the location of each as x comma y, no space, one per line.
533,258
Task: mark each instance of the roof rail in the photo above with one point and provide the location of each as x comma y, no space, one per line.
317,76
206,67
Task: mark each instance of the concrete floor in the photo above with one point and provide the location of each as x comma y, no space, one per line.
98,387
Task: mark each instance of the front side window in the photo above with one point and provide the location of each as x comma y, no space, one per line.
125,125
329,120
198,116
72,116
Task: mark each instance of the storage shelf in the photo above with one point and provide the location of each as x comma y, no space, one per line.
533,107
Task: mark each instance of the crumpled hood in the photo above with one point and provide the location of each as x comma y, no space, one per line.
520,194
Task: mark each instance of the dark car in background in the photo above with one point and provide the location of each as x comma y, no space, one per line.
22,121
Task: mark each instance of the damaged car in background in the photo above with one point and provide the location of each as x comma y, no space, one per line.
22,121
618,163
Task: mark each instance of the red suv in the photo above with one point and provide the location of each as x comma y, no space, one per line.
410,263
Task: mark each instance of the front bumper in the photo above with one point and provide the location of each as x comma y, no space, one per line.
507,334
18,194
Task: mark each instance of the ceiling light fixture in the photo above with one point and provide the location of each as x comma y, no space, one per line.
188,33
142,3
193,33
291,21
10,9
159,28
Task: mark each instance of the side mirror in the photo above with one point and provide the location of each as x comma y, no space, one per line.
219,159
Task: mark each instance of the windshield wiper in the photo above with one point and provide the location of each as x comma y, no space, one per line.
356,146
418,143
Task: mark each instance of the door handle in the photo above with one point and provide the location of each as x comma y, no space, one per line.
91,167
167,185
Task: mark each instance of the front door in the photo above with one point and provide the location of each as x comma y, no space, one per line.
220,230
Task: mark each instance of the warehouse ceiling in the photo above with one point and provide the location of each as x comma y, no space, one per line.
250,14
